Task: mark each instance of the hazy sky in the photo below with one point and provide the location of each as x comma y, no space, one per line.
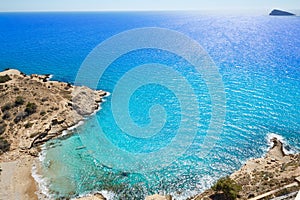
86,5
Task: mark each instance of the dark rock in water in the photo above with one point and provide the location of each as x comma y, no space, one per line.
281,13
124,174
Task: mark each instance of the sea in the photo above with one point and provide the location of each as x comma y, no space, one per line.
155,132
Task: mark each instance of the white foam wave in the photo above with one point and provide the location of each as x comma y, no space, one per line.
109,195
270,136
42,154
66,132
99,108
49,77
43,191
107,94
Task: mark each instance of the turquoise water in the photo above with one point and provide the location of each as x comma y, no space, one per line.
257,57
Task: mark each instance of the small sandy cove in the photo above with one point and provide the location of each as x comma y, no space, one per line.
33,111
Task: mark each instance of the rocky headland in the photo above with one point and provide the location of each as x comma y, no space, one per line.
274,175
34,110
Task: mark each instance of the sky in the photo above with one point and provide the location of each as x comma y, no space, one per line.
126,5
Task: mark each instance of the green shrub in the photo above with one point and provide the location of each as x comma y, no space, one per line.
4,145
228,186
28,125
19,101
4,78
44,99
6,107
20,116
30,108
6,115
42,113
2,128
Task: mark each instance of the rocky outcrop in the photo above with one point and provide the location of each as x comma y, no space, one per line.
34,110
158,197
86,101
262,175
276,12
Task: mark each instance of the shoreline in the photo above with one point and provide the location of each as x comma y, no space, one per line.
265,176
68,107
19,164
267,158
42,190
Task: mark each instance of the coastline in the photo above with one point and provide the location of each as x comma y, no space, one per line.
17,164
272,175
272,161
68,106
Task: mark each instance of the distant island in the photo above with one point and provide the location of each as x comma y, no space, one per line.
276,12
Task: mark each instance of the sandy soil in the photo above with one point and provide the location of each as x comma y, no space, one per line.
16,181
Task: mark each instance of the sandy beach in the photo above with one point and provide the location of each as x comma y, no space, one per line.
16,181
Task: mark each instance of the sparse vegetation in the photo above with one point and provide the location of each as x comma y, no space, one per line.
4,78
28,125
6,115
19,101
42,113
44,99
228,186
20,116
2,127
4,145
6,107
30,108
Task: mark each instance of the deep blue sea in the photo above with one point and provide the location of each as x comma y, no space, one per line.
258,59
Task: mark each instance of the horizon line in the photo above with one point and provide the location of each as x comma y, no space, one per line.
152,10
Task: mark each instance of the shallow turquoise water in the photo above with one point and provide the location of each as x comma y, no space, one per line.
257,57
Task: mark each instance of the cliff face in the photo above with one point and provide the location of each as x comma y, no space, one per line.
276,12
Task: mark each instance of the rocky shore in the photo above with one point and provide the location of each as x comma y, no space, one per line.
34,110
264,178
273,175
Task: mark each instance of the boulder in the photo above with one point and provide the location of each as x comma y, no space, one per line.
158,197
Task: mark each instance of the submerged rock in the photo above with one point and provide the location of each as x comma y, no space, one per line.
276,12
